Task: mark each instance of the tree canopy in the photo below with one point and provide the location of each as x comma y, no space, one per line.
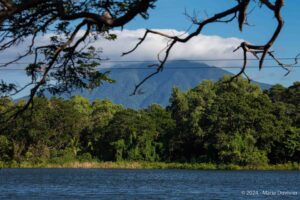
220,123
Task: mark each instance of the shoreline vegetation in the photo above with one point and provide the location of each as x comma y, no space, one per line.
150,165
211,126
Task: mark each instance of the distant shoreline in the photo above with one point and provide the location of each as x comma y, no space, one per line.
150,165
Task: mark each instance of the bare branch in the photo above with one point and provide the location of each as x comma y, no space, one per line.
239,10
245,50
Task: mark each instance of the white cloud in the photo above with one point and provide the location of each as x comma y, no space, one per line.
201,47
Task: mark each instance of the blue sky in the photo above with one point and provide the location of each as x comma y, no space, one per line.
169,14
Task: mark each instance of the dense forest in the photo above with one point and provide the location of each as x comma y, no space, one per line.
215,122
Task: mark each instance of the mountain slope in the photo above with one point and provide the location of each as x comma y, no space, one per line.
157,89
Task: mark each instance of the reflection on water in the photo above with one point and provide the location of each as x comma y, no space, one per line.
147,184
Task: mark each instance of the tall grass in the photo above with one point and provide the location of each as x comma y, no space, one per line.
147,165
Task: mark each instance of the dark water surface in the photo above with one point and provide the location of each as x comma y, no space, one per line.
147,184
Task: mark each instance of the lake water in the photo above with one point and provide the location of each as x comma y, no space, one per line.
147,184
